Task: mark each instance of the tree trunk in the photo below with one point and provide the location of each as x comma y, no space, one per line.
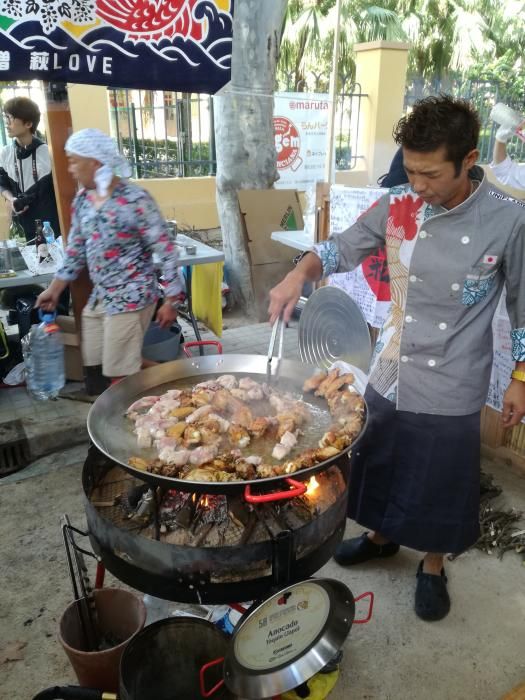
245,143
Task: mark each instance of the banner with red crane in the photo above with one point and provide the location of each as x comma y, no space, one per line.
181,45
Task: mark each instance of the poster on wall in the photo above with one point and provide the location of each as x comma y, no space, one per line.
368,284
502,363
182,45
301,138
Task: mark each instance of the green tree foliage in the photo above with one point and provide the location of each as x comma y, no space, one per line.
450,39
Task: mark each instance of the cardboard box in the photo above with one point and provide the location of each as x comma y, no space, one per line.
265,211
264,278
72,354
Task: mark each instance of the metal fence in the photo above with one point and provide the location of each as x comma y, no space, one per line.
169,134
164,134
483,95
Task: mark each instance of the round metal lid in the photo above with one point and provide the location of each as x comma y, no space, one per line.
332,328
285,640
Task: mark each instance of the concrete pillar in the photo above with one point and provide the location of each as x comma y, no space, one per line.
381,71
89,105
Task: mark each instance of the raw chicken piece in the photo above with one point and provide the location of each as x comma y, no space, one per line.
173,393
242,416
163,408
223,423
288,440
280,451
143,437
175,456
203,397
140,404
203,454
254,391
254,459
227,381
199,413
210,384
163,442
240,394
248,383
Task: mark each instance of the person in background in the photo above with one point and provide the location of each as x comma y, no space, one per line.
396,174
452,241
115,229
507,171
26,181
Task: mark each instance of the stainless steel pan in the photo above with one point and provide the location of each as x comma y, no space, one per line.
112,432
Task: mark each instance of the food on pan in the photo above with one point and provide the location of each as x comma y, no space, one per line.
226,429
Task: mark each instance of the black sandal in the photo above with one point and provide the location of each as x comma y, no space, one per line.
432,599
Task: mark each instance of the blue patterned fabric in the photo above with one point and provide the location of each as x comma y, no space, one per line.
475,290
327,251
518,344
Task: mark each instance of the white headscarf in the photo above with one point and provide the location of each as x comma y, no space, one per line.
93,143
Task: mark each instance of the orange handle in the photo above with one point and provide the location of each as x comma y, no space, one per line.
298,489
200,343
208,693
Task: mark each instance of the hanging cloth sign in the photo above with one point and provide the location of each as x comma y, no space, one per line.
182,45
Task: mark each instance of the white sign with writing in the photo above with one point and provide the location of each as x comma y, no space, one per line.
368,283
301,138
283,628
502,363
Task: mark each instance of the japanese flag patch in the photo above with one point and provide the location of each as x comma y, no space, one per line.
490,259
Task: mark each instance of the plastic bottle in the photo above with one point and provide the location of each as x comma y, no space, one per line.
156,608
45,359
49,233
508,118
16,232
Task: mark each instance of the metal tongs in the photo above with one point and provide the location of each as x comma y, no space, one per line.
82,590
278,326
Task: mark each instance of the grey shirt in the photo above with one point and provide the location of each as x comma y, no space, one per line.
447,270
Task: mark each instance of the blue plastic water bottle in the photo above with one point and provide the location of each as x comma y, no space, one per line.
49,233
47,376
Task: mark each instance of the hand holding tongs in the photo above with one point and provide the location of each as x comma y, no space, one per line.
278,326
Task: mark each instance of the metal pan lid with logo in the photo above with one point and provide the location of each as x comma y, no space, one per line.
285,640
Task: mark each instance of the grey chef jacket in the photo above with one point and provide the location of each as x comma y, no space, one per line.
459,263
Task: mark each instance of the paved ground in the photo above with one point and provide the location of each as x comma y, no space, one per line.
474,654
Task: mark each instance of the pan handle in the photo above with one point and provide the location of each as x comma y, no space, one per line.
370,595
208,693
298,489
199,344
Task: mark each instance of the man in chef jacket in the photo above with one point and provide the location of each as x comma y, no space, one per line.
453,241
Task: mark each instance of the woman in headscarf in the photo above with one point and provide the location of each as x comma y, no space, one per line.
115,229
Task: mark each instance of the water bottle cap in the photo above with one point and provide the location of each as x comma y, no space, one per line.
46,223
47,316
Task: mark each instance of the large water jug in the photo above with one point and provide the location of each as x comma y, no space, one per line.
44,359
